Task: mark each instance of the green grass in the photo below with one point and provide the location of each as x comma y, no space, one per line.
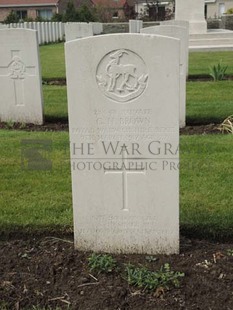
55,103
209,102
206,179
199,62
34,200
52,61
40,201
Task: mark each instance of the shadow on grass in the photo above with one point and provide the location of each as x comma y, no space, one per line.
207,232
198,121
56,119
204,232
22,232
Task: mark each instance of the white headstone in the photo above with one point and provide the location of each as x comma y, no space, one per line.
135,25
192,11
124,131
42,29
20,82
60,30
50,39
97,28
2,26
182,34
78,30
53,32
180,23
46,32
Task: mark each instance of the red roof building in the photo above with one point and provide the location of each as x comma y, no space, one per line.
122,9
29,8
45,9
36,8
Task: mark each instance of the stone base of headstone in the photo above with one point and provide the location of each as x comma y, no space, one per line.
197,27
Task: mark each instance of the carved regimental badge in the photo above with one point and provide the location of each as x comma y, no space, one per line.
17,68
122,75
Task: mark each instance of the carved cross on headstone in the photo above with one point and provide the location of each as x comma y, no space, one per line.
17,71
124,173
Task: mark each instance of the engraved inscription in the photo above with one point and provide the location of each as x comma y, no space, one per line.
17,71
124,172
122,75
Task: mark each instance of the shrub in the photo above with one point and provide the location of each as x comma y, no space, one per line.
229,11
11,18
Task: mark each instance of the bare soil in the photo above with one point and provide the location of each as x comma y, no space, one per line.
48,272
191,78
63,126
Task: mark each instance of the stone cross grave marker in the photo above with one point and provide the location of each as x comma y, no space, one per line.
182,34
123,100
21,93
192,11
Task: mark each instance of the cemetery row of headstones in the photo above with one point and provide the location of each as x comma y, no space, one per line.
50,32
125,101
12,48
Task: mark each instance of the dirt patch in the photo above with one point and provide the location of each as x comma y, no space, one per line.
48,272
47,126
54,81
63,126
191,78
200,129
206,78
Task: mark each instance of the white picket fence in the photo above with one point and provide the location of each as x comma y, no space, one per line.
49,32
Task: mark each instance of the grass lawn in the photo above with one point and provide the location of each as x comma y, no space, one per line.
33,200
55,103
53,61
206,178
199,62
207,102
41,200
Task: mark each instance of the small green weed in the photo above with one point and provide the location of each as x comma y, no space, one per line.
230,252
151,280
10,124
22,125
4,305
217,72
151,259
101,263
